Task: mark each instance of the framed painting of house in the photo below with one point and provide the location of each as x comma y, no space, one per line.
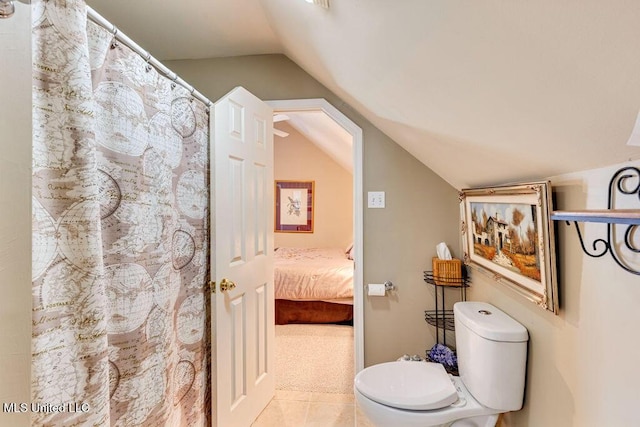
507,232
294,206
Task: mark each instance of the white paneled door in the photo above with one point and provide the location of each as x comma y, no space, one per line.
243,330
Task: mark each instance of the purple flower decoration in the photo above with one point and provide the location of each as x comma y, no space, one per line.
442,354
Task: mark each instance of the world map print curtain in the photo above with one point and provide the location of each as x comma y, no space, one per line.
120,233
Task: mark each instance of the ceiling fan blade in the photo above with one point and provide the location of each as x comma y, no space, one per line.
280,118
280,133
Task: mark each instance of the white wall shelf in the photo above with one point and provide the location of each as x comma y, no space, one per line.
609,216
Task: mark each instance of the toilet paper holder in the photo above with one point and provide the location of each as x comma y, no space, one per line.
388,286
380,289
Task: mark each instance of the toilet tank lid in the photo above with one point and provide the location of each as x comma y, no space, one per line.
489,322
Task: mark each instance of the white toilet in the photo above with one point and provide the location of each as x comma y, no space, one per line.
492,355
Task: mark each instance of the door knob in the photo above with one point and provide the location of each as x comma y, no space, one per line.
226,285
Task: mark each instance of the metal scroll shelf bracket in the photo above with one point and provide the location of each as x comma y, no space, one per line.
625,181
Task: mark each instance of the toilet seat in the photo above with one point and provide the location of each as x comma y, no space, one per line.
417,386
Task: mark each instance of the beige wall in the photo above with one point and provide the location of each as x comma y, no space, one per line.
583,363
399,241
15,213
298,159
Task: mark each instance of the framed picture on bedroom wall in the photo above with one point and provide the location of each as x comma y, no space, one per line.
294,206
507,232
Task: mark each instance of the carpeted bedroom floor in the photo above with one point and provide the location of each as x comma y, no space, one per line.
314,379
314,358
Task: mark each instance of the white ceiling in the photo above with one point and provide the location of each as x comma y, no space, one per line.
324,132
482,92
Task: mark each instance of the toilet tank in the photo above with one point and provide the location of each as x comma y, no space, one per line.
492,354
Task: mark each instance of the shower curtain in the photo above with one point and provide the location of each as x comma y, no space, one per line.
120,233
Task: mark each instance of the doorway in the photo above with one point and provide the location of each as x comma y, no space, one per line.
332,113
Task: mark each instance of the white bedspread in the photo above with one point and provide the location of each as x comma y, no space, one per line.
312,274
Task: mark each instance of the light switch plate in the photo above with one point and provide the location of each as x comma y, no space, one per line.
375,199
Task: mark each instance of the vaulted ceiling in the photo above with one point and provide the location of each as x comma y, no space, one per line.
482,92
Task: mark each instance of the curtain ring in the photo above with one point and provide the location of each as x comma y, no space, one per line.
114,42
173,81
148,66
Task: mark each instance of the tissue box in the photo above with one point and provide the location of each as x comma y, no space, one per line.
447,272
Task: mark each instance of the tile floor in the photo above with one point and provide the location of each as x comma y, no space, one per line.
308,409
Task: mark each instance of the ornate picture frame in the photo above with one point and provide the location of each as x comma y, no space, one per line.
294,207
507,232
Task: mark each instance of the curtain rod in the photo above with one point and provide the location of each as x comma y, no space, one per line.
123,38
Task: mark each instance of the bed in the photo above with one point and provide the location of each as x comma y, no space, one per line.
313,285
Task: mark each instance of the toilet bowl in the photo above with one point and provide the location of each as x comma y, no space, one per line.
418,394
491,349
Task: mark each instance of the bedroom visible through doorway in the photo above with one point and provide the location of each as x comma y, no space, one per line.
315,143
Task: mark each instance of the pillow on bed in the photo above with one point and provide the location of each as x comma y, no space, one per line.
349,248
